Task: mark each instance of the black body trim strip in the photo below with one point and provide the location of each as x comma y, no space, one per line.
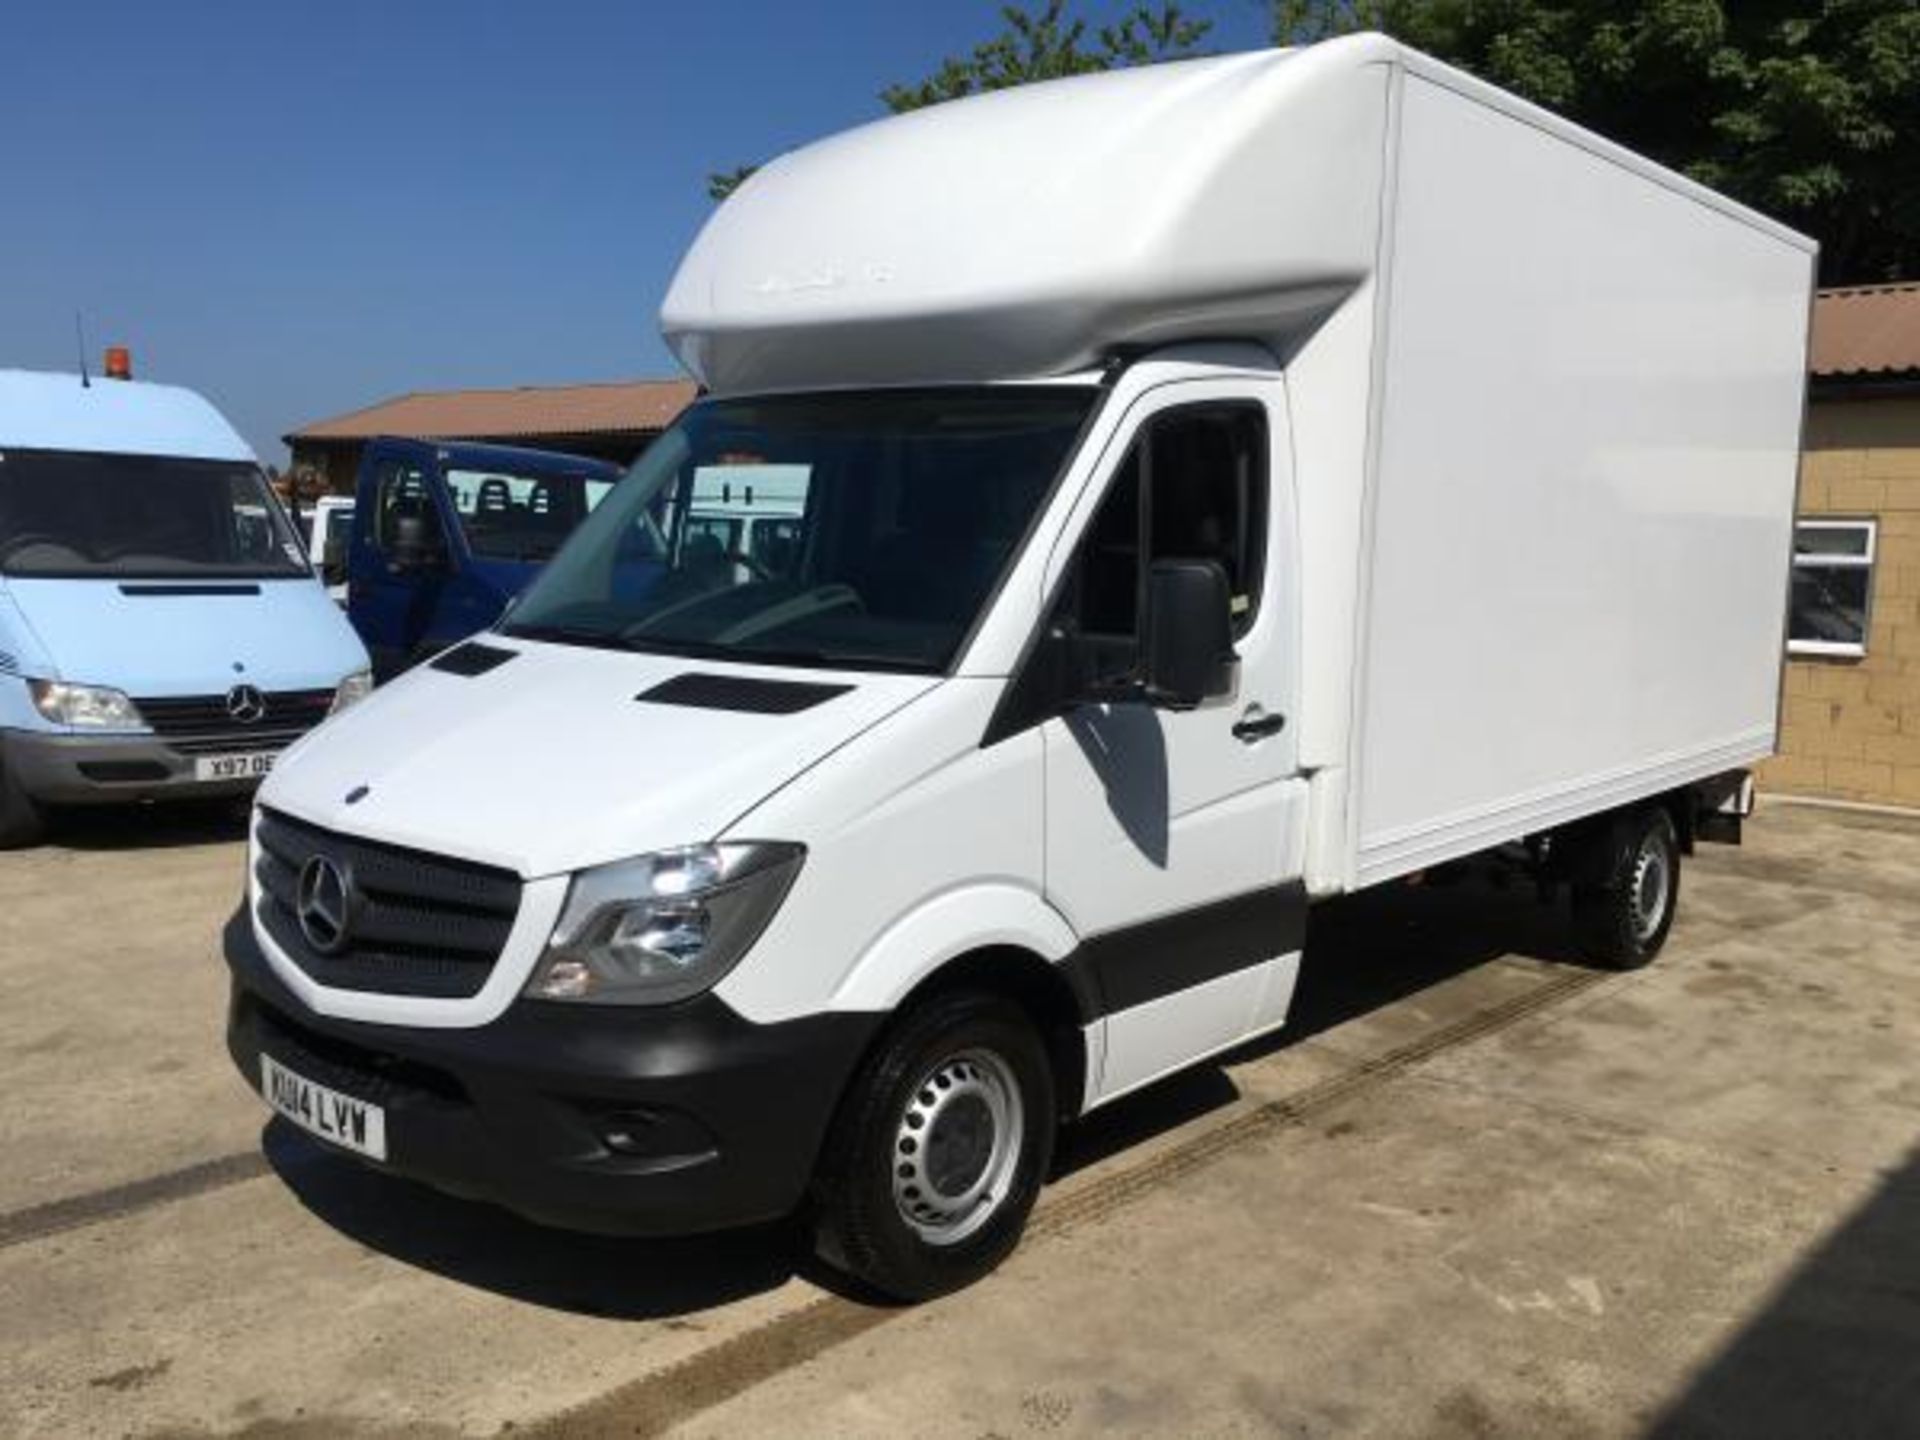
1171,953
149,591
703,691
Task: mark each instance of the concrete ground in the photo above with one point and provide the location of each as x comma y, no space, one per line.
1475,1189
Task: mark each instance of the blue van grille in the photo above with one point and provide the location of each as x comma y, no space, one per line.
421,924
198,724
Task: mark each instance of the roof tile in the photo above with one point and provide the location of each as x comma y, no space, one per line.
626,407
1867,330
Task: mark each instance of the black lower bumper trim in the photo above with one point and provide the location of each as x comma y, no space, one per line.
618,1120
108,769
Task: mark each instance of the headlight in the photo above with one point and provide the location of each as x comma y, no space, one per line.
352,690
663,926
85,707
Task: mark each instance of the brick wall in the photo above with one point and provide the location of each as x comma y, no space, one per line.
1851,727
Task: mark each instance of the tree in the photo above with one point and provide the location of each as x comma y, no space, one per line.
1035,45
1050,45
1808,110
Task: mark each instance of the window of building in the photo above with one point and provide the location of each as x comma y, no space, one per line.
1832,587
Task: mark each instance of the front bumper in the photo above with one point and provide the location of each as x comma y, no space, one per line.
106,769
723,1118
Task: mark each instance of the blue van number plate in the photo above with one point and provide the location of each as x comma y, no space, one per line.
234,767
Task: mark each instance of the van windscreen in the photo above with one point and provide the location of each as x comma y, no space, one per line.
855,530
79,515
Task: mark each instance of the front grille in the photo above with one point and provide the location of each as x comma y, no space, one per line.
201,724
355,1070
242,742
419,925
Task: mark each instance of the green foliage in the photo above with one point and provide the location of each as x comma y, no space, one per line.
1035,45
1806,109
722,183
1048,45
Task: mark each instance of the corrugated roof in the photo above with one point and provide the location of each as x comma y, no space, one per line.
1867,331
617,408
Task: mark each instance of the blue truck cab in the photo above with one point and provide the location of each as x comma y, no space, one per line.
162,633
446,534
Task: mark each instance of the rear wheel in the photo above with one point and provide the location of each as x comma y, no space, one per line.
21,822
1622,918
937,1153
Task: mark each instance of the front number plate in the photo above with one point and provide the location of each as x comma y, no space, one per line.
338,1119
250,766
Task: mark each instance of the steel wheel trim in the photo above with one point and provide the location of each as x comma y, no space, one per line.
1652,888
957,1146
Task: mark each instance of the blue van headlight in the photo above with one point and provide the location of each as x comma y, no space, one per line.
84,707
663,926
351,690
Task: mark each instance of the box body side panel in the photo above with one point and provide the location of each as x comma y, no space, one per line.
1584,491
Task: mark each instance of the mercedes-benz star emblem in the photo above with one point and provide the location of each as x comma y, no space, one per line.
323,904
246,704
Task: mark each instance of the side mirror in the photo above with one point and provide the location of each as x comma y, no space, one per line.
1186,642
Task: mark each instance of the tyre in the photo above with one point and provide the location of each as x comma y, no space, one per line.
21,823
1622,919
936,1154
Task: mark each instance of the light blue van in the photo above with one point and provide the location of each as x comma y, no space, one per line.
162,633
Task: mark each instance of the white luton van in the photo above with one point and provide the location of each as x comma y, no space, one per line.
1229,484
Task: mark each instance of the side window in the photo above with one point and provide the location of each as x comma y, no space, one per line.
1193,486
404,507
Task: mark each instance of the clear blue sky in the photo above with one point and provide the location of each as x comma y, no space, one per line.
301,209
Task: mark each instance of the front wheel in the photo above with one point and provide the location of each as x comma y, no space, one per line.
1622,919
938,1150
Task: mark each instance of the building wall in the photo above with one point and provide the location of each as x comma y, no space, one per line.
1851,727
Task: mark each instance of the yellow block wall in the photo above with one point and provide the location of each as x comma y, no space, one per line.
1850,729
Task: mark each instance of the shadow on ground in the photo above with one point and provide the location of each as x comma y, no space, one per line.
1835,1352
492,1249
177,823
1366,952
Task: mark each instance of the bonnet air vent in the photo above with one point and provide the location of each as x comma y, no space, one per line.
735,692
472,658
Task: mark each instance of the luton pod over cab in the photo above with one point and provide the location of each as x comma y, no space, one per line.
1215,487
162,633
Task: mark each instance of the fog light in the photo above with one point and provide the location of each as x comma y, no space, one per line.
656,1134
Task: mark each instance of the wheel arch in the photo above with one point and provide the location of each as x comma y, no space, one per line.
1058,1010
996,936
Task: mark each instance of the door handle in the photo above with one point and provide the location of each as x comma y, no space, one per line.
1257,725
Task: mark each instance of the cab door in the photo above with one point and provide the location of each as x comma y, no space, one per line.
402,560
1174,838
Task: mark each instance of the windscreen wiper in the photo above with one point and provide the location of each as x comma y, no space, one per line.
568,635
827,659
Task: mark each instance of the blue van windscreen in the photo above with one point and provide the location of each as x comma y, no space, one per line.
74,514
